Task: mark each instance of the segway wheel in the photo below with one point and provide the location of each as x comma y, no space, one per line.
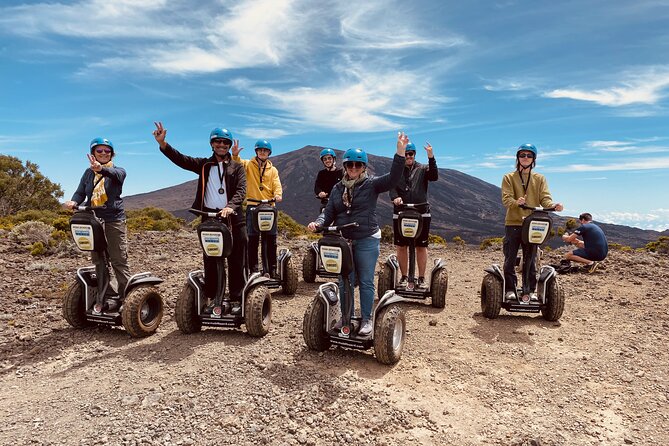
258,311
438,288
491,296
74,305
142,311
385,280
389,334
309,266
289,283
185,311
552,310
313,326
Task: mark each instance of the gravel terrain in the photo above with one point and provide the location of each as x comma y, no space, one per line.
598,376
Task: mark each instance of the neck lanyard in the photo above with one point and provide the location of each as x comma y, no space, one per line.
221,176
529,177
261,172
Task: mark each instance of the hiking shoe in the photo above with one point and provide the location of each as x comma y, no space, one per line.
592,267
510,295
420,284
366,328
403,281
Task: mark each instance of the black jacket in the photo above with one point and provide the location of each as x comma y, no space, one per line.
325,181
235,179
412,187
113,178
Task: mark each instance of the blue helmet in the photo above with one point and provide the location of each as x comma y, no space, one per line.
355,155
101,142
411,147
219,133
326,152
263,144
528,148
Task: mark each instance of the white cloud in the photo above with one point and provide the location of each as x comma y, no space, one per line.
656,219
644,164
644,87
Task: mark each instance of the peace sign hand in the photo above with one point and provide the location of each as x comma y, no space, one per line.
95,165
159,133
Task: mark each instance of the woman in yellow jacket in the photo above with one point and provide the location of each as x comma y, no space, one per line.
520,187
262,183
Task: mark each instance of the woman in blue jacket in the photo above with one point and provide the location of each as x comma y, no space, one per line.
354,199
102,185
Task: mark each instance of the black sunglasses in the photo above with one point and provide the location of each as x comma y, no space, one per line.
103,151
526,155
355,164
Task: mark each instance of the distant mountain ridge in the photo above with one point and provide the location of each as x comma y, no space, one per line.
461,204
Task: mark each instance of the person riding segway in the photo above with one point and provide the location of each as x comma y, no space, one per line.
194,308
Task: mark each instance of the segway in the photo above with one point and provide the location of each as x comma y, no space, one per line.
139,308
319,326
194,309
410,223
549,298
312,266
264,218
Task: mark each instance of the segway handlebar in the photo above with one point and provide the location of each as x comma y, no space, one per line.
206,213
412,205
271,200
81,207
537,208
336,228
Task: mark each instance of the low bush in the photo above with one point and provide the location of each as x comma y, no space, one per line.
434,239
153,219
491,242
661,245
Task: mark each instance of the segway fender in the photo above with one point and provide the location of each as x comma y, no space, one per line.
495,270
389,298
439,264
255,280
547,274
142,279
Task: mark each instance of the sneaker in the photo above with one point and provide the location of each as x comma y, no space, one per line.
534,297
403,281
112,304
592,267
366,328
510,295
421,285
236,309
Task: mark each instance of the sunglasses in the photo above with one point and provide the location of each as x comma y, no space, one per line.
410,154
225,142
526,155
103,151
355,164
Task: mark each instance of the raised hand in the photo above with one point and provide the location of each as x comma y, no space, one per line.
428,149
159,133
95,165
235,147
402,141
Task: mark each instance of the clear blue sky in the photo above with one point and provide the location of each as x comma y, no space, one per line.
586,81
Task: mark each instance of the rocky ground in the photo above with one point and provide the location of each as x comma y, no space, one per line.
599,376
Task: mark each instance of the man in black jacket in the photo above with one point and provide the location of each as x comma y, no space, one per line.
221,188
327,177
412,189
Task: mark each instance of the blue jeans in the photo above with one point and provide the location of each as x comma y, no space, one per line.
365,255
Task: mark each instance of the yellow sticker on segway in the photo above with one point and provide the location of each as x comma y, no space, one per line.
265,220
83,237
409,227
212,243
331,258
538,231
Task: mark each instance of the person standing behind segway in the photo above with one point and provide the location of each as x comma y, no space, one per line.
328,176
522,187
354,199
102,185
221,188
412,188
263,183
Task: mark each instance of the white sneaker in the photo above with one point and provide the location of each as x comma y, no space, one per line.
366,328
510,295
534,296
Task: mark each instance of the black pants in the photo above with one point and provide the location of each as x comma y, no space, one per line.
513,241
236,263
254,241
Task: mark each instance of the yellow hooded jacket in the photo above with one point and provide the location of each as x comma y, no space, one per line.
271,184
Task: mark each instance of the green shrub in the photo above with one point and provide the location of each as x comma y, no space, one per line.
153,219
289,228
571,224
30,232
458,241
491,242
435,239
661,245
37,249
619,247
561,231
